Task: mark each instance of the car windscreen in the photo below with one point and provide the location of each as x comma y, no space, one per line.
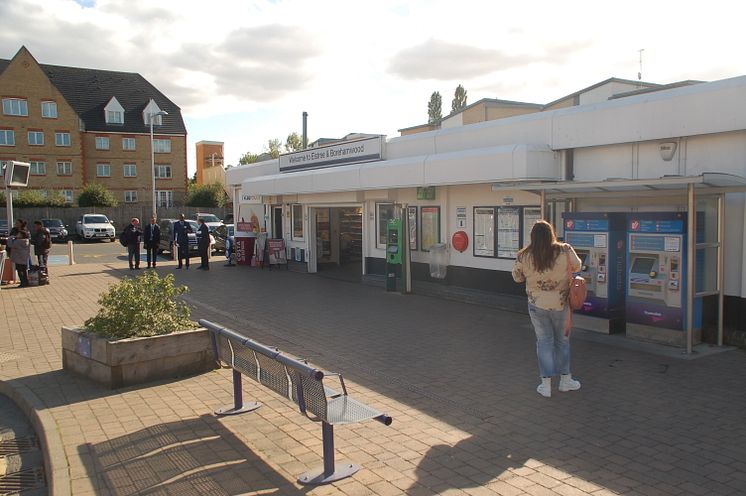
52,223
95,219
210,218
194,225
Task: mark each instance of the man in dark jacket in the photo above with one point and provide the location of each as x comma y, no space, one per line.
182,229
133,235
152,239
203,243
42,242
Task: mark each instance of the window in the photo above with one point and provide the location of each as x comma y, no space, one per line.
130,196
49,110
67,194
128,144
102,142
114,117
64,168
36,138
7,137
165,198
38,168
162,145
15,106
297,222
384,213
62,138
130,170
163,171
103,170
429,226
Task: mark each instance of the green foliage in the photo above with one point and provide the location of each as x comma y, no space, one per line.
96,195
35,198
206,195
459,99
248,158
273,147
294,143
434,108
141,306
2,199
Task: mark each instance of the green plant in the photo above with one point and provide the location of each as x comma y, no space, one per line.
141,306
96,195
206,195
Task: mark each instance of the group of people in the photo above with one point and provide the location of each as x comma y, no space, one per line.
133,235
20,241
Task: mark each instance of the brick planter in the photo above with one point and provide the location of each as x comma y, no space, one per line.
132,361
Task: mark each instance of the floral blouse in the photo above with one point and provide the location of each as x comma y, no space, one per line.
547,290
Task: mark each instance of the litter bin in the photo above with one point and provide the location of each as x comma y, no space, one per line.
438,260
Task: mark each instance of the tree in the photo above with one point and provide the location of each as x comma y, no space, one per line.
273,146
459,99
206,195
96,195
434,108
35,198
193,179
293,143
248,158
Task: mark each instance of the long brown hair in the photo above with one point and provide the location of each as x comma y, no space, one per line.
544,247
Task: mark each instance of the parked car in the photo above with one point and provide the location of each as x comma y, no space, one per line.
167,237
221,234
211,220
4,233
57,229
95,226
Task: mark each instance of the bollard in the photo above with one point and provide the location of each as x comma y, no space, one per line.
70,254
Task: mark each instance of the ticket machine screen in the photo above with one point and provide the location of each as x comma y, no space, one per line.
642,265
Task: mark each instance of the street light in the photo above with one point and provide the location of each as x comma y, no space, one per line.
152,150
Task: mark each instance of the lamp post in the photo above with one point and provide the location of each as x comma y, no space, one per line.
152,151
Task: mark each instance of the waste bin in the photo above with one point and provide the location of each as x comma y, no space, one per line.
438,260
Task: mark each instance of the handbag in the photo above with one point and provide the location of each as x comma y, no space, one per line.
576,295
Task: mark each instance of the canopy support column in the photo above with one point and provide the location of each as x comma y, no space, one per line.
691,253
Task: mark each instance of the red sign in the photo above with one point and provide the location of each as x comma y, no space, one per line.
244,250
460,241
244,227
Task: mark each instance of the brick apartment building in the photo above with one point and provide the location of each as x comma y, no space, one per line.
77,126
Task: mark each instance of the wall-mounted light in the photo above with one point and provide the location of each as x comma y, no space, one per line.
668,150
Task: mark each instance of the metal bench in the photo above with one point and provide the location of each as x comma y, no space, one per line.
297,381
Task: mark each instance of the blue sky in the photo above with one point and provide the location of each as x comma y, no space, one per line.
243,71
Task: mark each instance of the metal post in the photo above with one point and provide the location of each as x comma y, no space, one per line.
238,406
691,253
721,269
152,160
305,130
9,206
543,205
327,436
70,253
407,260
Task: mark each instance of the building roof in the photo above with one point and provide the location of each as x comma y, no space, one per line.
89,90
642,84
490,102
678,84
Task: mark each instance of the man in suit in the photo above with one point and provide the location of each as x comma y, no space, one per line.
203,243
182,229
132,235
152,238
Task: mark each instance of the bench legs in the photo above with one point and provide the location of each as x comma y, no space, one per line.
238,406
330,473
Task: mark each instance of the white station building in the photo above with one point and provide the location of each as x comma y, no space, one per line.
669,151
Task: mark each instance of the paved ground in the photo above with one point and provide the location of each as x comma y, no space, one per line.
458,379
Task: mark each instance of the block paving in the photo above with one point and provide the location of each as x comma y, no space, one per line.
459,380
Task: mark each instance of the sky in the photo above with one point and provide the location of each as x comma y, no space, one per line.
244,71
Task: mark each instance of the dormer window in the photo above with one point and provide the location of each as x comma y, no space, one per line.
114,112
151,110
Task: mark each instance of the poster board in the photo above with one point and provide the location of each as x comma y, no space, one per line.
276,252
508,231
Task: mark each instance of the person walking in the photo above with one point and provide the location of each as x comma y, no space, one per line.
20,245
41,240
152,240
544,266
133,235
182,229
203,243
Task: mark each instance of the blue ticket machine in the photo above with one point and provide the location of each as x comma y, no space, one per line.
657,277
599,241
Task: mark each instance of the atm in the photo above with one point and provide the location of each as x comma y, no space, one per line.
657,278
598,239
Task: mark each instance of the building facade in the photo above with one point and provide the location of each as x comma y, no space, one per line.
78,126
634,155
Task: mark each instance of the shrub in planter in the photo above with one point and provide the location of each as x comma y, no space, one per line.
146,305
142,333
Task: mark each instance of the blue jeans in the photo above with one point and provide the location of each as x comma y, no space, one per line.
552,346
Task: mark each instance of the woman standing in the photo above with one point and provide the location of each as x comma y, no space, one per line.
543,265
20,251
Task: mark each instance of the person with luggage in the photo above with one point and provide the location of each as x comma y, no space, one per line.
20,252
182,229
132,236
152,239
41,240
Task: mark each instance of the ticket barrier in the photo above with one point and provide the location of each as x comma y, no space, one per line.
657,278
598,239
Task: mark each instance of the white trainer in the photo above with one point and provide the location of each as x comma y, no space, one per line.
545,388
567,383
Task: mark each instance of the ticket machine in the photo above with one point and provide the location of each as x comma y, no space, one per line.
394,250
657,277
598,239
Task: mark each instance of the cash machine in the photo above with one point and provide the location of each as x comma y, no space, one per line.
598,239
394,249
657,278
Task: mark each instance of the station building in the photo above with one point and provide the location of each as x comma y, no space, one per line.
662,167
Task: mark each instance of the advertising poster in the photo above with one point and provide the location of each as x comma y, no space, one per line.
412,218
484,231
430,226
508,232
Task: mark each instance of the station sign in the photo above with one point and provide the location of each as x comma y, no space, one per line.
344,153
